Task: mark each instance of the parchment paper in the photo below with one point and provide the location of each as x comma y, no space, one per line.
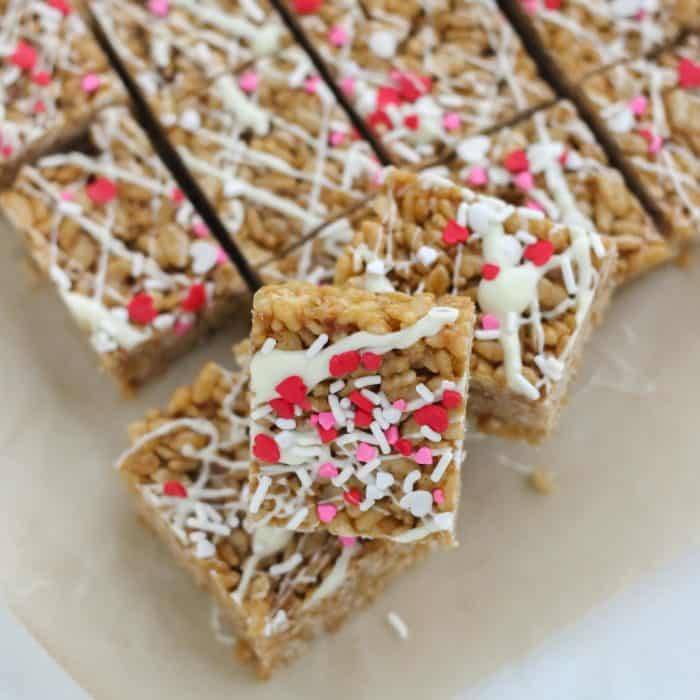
105,599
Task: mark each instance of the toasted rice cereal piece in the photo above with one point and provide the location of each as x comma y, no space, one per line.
552,162
187,469
578,38
53,80
176,46
358,406
538,286
424,79
130,258
650,111
272,150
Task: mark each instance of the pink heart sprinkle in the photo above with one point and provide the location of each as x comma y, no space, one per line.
490,323
314,419
392,435
159,8
531,6
347,541
183,325
451,121
221,257
327,471
311,84
477,176
655,144
326,512
248,82
423,455
199,228
439,496
6,150
347,85
400,404
532,204
524,180
90,82
336,138
338,36
326,420
67,195
365,452
638,105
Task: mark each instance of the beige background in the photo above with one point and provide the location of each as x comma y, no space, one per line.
103,597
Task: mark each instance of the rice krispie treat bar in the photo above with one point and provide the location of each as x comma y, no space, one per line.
551,162
358,409
538,286
130,258
53,80
176,45
187,469
422,79
272,150
650,111
577,38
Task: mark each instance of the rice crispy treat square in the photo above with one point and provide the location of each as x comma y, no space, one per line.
272,150
422,79
53,80
578,38
358,411
177,45
187,469
650,111
552,162
129,256
538,287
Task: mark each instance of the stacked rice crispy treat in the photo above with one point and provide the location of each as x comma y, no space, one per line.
188,471
129,256
538,285
53,80
424,75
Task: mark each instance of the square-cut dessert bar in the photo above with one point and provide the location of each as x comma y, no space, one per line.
538,286
358,411
423,78
53,80
552,162
188,471
172,45
577,38
272,150
129,256
650,111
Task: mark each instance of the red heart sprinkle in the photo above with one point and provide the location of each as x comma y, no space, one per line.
539,253
62,6
379,118
177,195
403,446
453,233
353,497
363,419
41,78
141,309
552,4
196,298
411,87
490,271
688,73
362,402
516,161
563,157
284,409
451,398
101,190
387,96
411,121
175,489
344,363
39,107
306,7
266,449
24,56
293,390
326,435
434,416
370,360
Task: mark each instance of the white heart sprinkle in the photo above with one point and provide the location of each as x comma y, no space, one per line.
204,256
621,121
382,44
474,149
419,503
384,480
190,120
426,255
540,155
